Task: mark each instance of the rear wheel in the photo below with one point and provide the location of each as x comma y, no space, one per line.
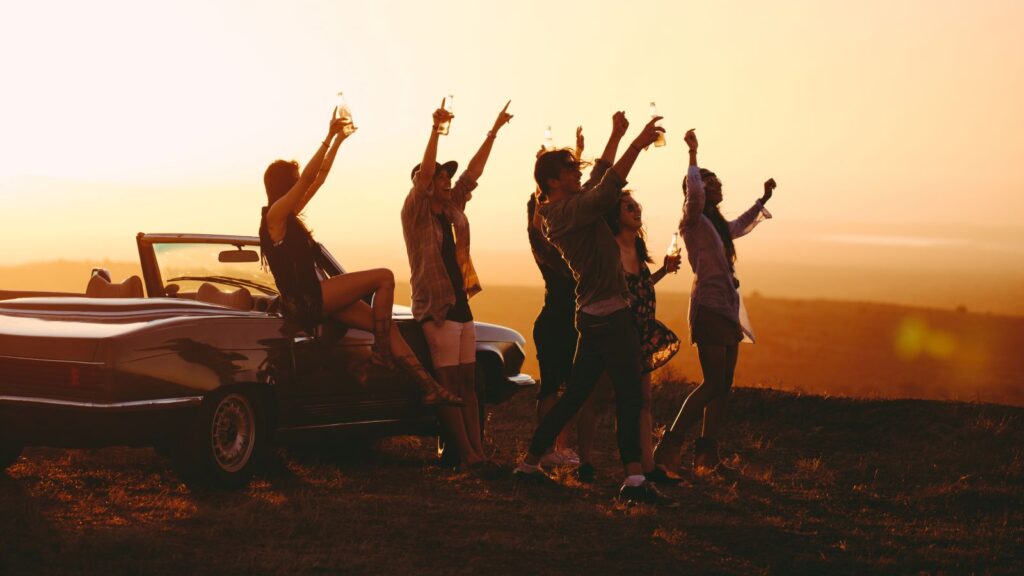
9,453
227,442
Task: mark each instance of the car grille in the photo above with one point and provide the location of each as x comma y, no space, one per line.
48,378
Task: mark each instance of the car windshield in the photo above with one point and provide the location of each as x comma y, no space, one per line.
190,265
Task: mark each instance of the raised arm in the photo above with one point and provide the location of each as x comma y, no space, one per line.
425,175
325,167
593,202
476,165
292,201
619,127
757,213
645,138
693,206
579,143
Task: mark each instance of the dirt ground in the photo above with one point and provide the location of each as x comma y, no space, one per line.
817,485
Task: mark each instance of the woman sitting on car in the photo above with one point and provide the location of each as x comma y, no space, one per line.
290,251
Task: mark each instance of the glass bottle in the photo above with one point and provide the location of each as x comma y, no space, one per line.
344,113
447,104
661,135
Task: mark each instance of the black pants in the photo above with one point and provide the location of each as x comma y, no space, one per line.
607,343
554,334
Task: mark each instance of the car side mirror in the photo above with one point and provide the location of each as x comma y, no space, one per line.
239,256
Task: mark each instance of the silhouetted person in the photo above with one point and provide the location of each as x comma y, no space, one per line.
554,330
573,222
436,234
717,323
658,344
307,300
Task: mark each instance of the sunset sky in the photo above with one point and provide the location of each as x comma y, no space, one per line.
893,128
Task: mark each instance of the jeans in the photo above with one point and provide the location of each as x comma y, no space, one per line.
606,343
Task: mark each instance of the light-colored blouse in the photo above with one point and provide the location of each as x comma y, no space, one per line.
713,286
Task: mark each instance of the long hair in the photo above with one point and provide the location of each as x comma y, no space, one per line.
279,178
718,221
611,217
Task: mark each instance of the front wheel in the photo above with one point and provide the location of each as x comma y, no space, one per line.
227,442
9,453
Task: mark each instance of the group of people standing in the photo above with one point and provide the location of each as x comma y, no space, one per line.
598,320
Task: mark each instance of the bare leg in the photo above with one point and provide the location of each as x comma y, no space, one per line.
341,291
470,406
359,315
717,410
712,364
452,418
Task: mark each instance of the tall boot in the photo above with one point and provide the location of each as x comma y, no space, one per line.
433,394
382,355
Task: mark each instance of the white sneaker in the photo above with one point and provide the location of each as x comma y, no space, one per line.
560,459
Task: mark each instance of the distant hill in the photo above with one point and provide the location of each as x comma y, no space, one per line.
818,346
835,348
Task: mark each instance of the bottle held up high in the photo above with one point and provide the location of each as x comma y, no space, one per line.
344,113
549,143
661,135
448,105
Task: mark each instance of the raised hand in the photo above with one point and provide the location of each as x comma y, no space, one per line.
336,126
649,133
441,115
691,139
769,188
619,124
579,142
503,117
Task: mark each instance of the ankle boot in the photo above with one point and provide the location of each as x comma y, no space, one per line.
705,453
433,394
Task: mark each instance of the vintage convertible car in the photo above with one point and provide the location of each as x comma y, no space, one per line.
205,368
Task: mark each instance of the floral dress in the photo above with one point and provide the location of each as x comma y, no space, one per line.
658,344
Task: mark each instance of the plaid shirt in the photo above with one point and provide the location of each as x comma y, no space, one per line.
432,293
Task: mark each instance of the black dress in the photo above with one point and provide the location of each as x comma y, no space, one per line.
292,262
658,344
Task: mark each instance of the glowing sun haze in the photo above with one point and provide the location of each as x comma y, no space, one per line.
876,118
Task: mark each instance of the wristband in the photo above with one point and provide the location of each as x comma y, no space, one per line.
324,143
635,147
491,134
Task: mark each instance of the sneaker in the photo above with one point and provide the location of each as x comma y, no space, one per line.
560,459
538,478
645,493
663,477
586,473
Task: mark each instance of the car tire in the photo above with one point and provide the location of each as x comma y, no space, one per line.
9,454
227,442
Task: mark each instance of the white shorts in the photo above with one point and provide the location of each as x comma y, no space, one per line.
451,343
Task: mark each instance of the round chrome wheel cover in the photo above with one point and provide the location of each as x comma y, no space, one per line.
233,432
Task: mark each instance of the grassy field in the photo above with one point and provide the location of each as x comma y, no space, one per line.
820,485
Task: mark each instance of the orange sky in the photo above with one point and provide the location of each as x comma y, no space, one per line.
893,128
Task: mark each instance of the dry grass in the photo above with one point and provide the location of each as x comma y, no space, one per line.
816,486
